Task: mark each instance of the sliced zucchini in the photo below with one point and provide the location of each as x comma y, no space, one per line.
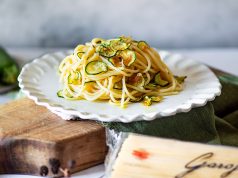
128,57
119,45
142,45
89,86
118,85
137,80
99,41
160,81
60,94
67,94
180,79
96,67
151,86
80,54
125,39
107,51
90,82
70,79
116,61
147,101
156,98
106,43
74,76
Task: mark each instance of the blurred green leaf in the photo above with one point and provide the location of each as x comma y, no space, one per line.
9,69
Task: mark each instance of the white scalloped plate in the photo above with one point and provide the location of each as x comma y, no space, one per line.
39,81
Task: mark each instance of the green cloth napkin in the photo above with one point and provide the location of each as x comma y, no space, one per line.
216,122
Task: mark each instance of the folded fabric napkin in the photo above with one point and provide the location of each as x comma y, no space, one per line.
216,122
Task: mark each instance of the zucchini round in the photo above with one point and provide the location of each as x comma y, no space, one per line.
137,80
160,81
106,43
74,76
128,57
60,94
96,67
151,86
142,45
118,85
180,79
116,61
119,45
80,54
125,39
156,98
147,101
107,51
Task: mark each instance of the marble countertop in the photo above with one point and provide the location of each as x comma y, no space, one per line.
225,59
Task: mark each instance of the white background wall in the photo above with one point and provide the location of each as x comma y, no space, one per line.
163,23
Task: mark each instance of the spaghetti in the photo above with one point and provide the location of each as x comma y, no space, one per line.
119,70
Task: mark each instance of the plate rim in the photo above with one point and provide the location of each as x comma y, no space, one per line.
72,113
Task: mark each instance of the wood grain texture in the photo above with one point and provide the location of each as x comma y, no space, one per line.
30,135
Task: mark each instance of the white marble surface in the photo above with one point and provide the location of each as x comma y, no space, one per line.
224,59
164,23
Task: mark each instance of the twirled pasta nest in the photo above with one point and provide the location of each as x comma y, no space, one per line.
119,70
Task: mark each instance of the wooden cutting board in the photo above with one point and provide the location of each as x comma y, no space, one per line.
34,141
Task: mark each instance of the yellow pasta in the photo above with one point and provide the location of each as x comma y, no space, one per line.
119,70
